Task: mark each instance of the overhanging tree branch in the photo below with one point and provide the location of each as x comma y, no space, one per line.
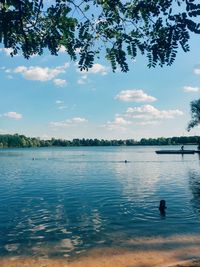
121,28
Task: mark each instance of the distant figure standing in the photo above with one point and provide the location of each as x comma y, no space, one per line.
182,147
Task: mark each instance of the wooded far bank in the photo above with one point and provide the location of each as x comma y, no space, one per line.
16,140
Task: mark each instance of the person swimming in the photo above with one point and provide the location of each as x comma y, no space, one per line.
162,206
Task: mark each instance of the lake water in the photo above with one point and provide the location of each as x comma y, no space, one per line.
69,200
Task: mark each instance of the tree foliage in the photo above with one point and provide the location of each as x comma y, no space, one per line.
123,28
195,111
21,141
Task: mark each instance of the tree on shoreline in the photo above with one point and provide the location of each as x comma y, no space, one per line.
195,111
21,141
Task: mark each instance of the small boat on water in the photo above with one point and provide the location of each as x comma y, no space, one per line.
181,151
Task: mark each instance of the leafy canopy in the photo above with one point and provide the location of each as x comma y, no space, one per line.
121,28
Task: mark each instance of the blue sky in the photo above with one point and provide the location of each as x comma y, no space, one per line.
47,96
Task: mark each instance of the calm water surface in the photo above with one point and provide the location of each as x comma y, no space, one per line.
68,200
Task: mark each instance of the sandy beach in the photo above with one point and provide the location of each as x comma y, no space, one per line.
126,260
161,252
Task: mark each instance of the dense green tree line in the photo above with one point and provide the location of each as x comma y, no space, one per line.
9,141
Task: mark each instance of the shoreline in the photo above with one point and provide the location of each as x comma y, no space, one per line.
84,146
174,251
96,262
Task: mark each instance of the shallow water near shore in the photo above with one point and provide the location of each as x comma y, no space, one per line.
68,202
174,251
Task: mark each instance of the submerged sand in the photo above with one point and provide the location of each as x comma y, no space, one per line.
172,251
128,262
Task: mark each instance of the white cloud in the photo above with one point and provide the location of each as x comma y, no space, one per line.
62,107
6,51
190,89
145,123
134,96
58,102
141,116
9,77
8,70
60,82
62,49
149,112
40,74
13,115
197,71
119,123
78,120
98,68
56,124
80,81
69,122
83,79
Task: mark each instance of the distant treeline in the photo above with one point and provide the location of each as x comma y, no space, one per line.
16,140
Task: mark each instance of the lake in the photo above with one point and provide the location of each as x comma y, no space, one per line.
62,202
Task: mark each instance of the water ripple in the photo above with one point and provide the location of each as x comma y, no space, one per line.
64,203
